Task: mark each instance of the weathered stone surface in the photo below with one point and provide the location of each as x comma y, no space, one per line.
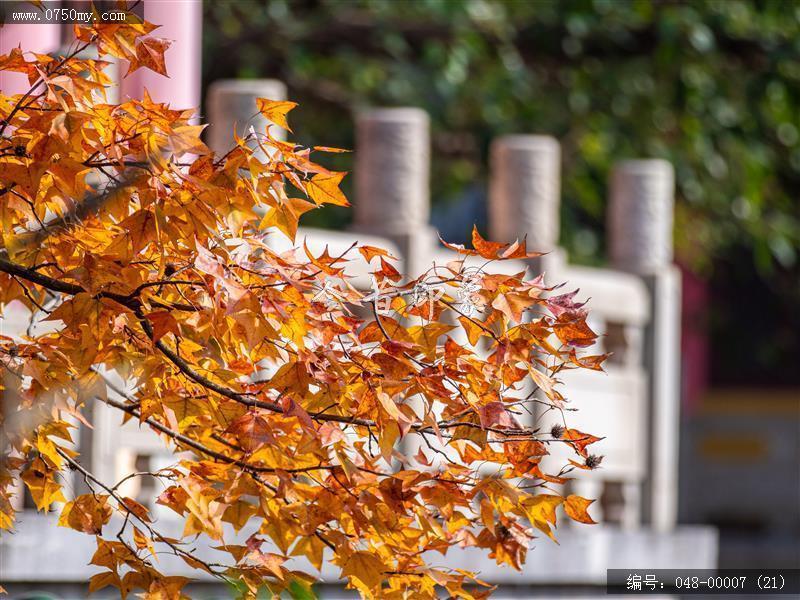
640,215
392,182
232,103
524,194
392,170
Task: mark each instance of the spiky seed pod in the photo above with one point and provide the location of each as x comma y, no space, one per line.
593,461
557,431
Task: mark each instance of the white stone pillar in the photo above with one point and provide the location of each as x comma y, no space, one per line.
525,189
640,216
524,203
640,220
392,173
231,103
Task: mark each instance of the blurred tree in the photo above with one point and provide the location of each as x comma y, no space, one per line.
712,86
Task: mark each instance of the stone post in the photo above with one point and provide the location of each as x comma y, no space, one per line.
524,203
181,21
525,195
391,175
640,216
232,103
640,220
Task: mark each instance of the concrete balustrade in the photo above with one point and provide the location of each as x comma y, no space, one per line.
231,106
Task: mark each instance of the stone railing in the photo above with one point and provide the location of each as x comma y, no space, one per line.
634,306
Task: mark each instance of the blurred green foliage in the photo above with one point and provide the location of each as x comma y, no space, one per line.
713,86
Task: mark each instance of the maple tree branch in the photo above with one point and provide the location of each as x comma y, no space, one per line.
57,285
185,368
122,531
222,390
129,138
189,371
90,204
389,338
179,437
33,276
254,471
222,457
137,164
31,206
28,295
129,476
477,323
177,550
203,449
325,541
163,282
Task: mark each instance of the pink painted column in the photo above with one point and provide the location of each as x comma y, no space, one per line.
41,38
181,22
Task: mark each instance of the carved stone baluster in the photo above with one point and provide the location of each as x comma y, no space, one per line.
640,220
632,498
524,203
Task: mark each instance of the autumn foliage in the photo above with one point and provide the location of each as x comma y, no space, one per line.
308,418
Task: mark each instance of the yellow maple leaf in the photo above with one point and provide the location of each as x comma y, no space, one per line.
576,508
365,571
275,110
42,485
324,189
285,216
541,511
87,513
